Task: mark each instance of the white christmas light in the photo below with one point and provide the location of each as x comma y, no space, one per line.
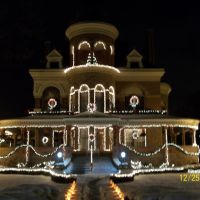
111,50
101,44
143,171
162,147
8,133
27,145
83,43
2,140
67,70
84,88
73,56
30,146
40,170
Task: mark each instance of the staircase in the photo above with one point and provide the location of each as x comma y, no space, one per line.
80,164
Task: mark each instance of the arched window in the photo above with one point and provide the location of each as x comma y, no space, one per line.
100,97
51,93
84,97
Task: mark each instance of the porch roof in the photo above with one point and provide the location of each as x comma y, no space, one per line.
96,118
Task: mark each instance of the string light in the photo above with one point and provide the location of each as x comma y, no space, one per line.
30,146
27,147
84,88
73,56
100,43
83,43
161,148
144,171
67,70
47,112
38,170
111,50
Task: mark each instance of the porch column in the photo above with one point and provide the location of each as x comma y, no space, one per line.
116,135
27,147
52,138
194,138
166,148
145,138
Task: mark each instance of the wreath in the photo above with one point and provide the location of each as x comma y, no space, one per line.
52,103
134,101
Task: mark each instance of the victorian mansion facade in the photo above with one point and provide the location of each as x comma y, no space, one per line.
94,104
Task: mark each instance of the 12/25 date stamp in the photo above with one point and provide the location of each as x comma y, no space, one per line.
190,177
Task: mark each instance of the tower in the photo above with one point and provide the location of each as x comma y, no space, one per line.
94,39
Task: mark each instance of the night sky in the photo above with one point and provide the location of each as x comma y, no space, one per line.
28,30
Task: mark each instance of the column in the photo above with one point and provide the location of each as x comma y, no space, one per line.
145,138
27,147
52,138
166,148
194,137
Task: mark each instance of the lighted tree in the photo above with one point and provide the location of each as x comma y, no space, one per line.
89,59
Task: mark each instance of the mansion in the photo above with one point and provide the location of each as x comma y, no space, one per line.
94,104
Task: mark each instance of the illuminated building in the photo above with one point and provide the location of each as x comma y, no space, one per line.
92,102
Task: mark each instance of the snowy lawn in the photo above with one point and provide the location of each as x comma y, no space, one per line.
161,187
30,187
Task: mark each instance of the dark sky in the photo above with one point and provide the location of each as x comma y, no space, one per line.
26,27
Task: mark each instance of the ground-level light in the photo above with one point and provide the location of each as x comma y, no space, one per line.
123,154
59,154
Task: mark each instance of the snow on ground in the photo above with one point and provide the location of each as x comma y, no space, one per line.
144,187
161,187
31,187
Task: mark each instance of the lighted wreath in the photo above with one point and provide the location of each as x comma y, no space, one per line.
91,107
45,140
134,101
52,103
135,134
